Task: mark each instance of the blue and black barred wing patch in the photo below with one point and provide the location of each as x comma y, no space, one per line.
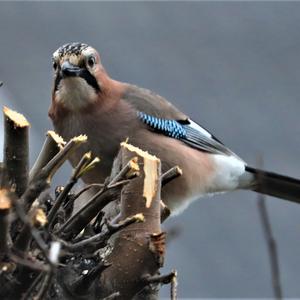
170,128
186,131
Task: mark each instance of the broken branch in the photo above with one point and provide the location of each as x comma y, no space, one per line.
140,195
170,175
77,172
16,149
43,178
52,145
83,216
100,240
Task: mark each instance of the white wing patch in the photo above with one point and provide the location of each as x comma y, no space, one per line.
199,128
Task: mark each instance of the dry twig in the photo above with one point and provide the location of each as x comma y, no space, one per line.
83,216
272,247
270,240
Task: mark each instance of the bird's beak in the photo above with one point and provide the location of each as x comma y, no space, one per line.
69,70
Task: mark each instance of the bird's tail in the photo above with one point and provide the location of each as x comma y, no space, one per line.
275,185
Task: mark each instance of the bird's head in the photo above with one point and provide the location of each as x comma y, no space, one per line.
79,76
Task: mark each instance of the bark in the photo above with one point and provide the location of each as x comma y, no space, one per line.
16,149
142,244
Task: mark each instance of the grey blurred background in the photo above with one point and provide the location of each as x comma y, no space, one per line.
233,67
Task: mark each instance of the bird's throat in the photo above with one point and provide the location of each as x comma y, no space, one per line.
74,93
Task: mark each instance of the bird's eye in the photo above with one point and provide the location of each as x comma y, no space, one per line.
54,65
91,61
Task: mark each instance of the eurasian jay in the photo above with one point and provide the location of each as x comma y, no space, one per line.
85,100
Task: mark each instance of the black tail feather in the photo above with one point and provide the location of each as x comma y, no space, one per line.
276,185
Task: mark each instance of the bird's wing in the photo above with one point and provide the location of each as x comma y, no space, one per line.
162,117
146,101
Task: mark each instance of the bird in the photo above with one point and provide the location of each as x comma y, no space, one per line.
86,100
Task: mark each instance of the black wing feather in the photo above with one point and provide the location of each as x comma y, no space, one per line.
187,132
198,140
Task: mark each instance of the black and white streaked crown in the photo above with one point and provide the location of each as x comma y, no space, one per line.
71,49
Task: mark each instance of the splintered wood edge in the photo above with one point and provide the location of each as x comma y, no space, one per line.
139,217
18,119
5,202
150,182
150,170
56,137
179,171
158,246
39,217
134,168
82,138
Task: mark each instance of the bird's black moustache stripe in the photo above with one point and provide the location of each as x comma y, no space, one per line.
58,78
85,74
90,79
